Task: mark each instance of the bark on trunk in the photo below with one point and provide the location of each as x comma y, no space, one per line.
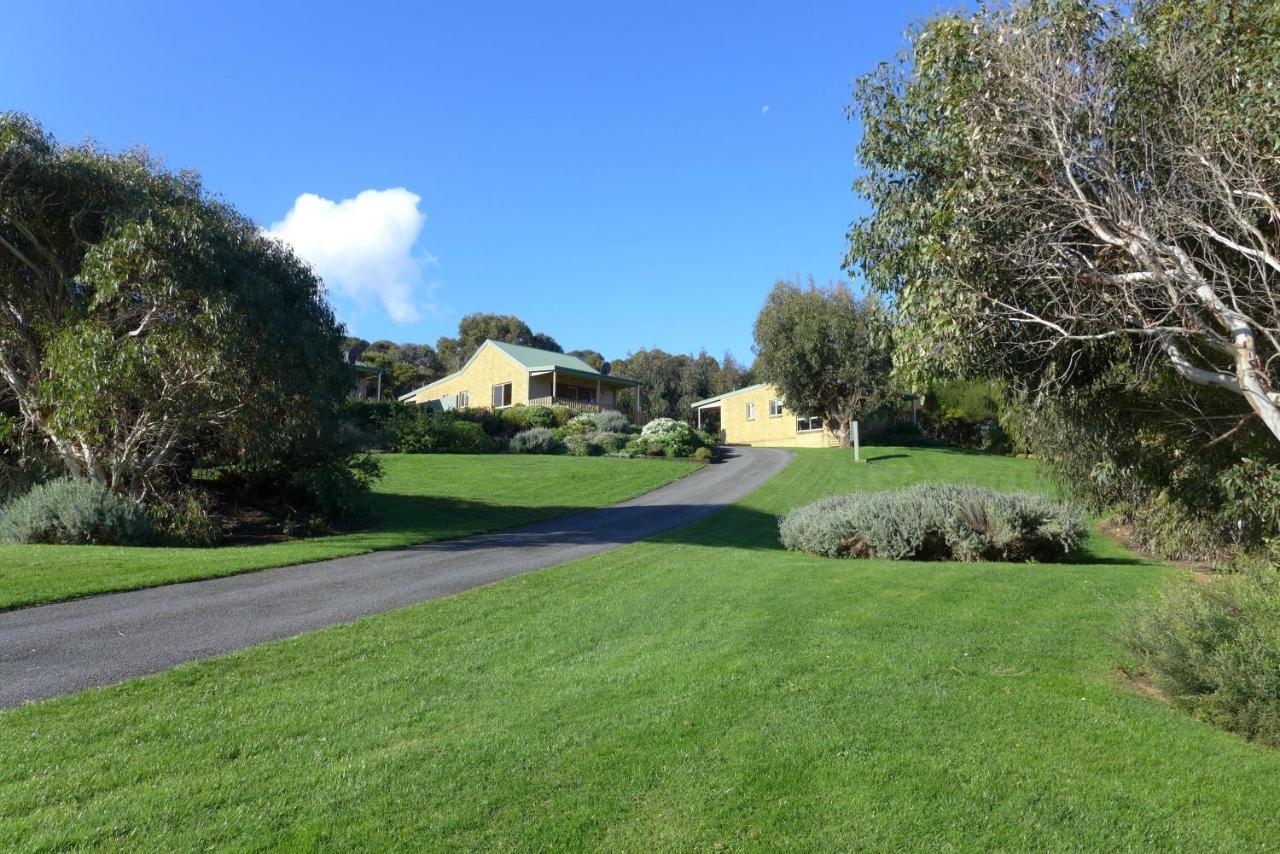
842,431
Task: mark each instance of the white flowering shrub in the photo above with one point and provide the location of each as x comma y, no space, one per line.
675,438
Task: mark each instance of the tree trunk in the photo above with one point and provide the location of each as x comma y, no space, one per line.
844,425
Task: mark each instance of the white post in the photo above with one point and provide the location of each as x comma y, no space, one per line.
857,454
379,385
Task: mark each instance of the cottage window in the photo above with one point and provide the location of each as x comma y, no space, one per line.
808,425
751,411
501,395
464,400
775,409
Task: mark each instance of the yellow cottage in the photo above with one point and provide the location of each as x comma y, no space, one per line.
499,374
755,416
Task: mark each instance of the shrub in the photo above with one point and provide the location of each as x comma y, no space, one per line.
676,438
521,417
932,522
561,413
582,446
610,442
331,491
70,511
440,433
581,424
1214,649
539,440
703,453
187,518
612,421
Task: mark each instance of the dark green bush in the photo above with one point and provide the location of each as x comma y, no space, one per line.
562,414
442,433
539,440
582,446
71,511
331,491
935,522
612,443
187,518
1214,649
521,417
703,454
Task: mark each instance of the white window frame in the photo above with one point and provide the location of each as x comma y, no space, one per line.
507,395
772,408
464,399
751,410
809,420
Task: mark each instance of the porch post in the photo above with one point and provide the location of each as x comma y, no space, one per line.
598,405
699,417
553,388
379,385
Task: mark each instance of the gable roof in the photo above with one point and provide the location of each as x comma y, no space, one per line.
531,359
541,360
719,397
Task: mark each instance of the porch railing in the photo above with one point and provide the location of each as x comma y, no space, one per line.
575,405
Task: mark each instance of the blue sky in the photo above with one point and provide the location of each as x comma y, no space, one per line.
618,175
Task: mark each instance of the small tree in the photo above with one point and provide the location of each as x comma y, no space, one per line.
823,349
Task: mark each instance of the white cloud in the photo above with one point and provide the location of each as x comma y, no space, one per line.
363,247
764,111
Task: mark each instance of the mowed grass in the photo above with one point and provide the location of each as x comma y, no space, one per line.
421,498
703,690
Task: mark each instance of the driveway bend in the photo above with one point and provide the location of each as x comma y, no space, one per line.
49,650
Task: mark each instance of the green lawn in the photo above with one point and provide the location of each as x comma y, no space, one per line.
699,691
420,498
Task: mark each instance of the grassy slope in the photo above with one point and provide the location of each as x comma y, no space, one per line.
702,689
421,498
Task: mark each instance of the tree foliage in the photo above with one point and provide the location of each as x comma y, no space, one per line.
145,325
826,351
475,328
1056,187
673,382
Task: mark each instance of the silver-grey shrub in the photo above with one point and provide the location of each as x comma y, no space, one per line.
69,511
936,522
539,440
612,421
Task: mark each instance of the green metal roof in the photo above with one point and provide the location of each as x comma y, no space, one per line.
533,359
719,397
537,360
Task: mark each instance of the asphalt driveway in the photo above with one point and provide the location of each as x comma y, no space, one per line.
49,650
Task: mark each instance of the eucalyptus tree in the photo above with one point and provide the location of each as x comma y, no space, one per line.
827,352
1056,186
145,325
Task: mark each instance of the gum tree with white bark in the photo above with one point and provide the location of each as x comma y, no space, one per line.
1051,179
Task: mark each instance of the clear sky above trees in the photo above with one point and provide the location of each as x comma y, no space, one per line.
611,175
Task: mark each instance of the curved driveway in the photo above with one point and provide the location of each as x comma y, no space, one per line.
56,649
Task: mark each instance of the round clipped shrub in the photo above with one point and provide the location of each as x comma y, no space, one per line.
539,440
676,438
561,413
582,446
935,522
703,453
581,424
69,511
611,443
